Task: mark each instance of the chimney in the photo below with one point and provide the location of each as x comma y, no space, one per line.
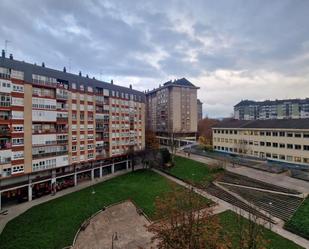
112,82
64,70
80,73
3,53
43,64
11,56
130,86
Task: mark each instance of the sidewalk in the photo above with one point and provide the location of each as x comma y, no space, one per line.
276,179
223,206
18,209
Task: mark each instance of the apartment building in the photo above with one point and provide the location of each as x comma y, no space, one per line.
172,110
277,109
59,127
199,110
285,140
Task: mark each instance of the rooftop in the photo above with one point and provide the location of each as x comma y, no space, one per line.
267,124
183,82
271,102
70,78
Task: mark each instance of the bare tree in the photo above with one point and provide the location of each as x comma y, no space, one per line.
187,223
250,231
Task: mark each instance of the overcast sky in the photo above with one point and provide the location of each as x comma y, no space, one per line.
231,49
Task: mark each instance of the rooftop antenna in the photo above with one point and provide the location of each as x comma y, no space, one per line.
69,65
6,42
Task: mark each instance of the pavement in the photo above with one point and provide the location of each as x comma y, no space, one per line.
119,226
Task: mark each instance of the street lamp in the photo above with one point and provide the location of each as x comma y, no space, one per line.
114,238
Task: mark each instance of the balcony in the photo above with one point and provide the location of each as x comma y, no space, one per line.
101,129
5,131
62,119
5,116
5,144
43,131
62,96
5,160
49,154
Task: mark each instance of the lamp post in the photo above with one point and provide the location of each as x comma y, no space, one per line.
114,238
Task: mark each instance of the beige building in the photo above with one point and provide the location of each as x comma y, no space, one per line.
172,110
57,128
199,110
285,140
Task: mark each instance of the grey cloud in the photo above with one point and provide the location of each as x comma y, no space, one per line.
124,38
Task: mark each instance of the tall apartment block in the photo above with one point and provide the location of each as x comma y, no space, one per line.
285,140
57,128
172,110
199,110
277,109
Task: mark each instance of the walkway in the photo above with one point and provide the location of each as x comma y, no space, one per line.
18,209
223,206
282,180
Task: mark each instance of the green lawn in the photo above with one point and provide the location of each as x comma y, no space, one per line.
53,224
192,171
228,221
299,223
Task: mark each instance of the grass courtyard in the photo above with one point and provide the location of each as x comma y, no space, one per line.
193,171
299,223
53,224
228,220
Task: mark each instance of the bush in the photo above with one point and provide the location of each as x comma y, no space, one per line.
166,155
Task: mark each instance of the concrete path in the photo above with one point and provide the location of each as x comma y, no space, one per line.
223,206
282,180
18,209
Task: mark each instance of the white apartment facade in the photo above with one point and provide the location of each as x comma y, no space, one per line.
277,140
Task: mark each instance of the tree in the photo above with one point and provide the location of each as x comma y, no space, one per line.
250,232
151,140
185,224
205,132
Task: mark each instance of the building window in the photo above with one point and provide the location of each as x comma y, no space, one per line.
297,147
275,134
282,145
289,134
290,146
306,147
282,157
282,134
297,134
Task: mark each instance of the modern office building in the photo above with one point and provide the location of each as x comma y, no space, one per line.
199,110
171,110
285,140
59,127
277,109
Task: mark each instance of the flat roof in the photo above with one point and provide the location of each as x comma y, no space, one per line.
70,78
267,124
